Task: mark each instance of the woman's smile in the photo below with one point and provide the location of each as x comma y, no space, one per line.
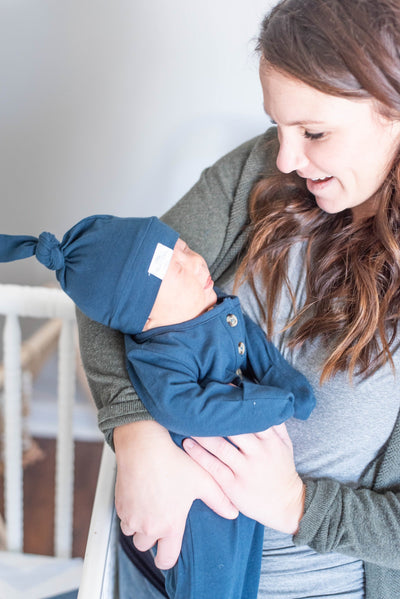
330,141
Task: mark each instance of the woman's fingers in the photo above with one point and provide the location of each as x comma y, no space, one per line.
249,443
143,542
214,454
126,528
220,459
258,474
213,496
284,435
168,550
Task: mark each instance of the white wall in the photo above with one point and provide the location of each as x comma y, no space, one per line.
115,106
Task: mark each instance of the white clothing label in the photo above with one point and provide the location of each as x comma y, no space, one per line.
160,261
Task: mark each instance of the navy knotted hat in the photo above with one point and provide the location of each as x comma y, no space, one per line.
111,267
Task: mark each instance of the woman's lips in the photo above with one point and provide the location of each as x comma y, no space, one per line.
315,185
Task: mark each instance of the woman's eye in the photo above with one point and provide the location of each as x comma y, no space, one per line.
309,135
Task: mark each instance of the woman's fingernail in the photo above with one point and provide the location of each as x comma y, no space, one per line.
188,443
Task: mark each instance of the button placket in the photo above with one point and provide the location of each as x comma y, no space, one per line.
232,320
241,348
237,333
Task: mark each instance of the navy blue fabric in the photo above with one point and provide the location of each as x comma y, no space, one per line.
181,373
102,263
219,557
17,247
49,251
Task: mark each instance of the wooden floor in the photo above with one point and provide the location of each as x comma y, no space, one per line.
39,497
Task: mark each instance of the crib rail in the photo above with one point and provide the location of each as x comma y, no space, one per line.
37,302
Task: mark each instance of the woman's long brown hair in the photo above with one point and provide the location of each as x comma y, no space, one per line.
346,48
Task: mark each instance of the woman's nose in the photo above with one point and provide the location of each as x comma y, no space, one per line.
291,156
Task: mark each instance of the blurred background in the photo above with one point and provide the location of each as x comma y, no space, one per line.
116,106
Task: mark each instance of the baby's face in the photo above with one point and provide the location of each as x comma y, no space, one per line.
186,291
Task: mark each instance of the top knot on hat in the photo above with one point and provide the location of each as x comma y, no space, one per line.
106,264
49,252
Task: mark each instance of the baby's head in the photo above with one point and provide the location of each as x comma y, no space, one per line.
186,290
127,273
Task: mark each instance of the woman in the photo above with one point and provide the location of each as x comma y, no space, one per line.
319,270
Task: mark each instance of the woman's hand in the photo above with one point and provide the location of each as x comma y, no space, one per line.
257,473
155,487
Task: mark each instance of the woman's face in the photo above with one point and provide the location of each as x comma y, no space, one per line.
342,147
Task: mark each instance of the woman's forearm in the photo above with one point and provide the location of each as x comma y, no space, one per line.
357,522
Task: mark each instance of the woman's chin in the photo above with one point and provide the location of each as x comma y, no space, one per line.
329,206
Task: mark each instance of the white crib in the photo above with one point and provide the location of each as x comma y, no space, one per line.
97,575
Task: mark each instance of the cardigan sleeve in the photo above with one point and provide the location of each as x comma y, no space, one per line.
211,218
359,522
362,522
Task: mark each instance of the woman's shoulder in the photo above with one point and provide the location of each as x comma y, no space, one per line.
256,155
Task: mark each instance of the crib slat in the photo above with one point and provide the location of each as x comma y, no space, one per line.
38,302
13,434
65,443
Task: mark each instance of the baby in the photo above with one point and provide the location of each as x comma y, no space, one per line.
200,366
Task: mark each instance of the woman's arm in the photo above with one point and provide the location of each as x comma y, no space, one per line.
358,522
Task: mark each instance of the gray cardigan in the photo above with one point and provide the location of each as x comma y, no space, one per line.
212,218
